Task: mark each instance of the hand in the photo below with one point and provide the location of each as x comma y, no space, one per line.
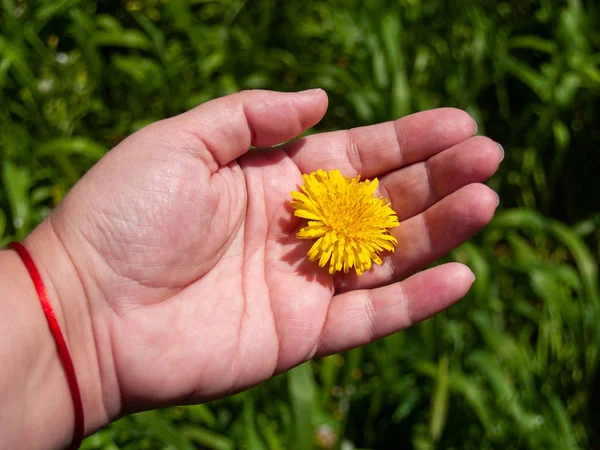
182,242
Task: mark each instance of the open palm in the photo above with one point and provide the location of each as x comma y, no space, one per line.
185,242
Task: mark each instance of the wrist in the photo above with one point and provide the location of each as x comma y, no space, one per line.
52,417
34,400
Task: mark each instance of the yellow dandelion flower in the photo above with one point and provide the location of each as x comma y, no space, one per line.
350,224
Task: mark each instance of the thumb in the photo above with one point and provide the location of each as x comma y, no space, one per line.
226,127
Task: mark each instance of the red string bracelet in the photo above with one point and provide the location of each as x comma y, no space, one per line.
61,345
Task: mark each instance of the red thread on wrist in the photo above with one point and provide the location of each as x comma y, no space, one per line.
61,345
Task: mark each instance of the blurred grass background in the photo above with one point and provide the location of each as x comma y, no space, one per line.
515,365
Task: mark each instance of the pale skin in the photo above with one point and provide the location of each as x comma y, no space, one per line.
174,270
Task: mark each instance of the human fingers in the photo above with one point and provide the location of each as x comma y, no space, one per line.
358,317
413,189
377,149
223,129
428,236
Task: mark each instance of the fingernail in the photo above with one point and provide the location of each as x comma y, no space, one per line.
502,150
476,127
310,91
497,198
474,277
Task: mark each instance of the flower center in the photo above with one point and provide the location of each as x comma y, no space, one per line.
345,215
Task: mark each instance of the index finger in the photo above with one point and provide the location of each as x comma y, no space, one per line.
377,149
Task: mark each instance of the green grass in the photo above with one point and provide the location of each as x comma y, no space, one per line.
515,365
